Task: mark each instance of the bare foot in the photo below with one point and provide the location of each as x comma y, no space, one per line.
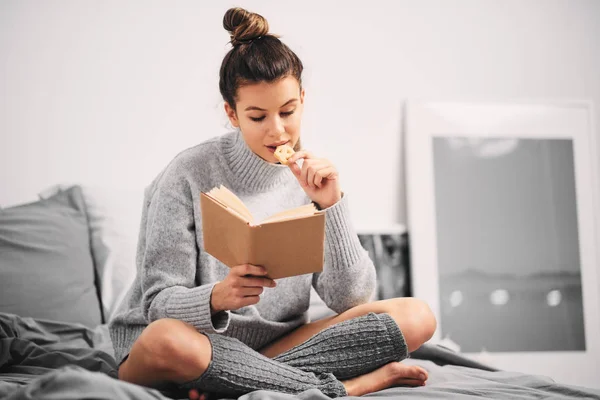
194,394
394,373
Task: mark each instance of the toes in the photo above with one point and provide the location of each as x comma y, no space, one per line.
194,394
415,372
422,373
400,371
409,371
410,382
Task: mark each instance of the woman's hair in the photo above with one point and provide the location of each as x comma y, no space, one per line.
256,56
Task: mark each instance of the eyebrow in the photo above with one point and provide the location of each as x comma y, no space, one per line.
262,109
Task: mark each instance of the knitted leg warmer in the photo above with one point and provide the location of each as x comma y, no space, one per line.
350,348
236,369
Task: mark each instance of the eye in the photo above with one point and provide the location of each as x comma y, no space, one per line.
287,113
257,119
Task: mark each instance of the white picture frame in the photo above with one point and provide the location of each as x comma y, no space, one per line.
495,127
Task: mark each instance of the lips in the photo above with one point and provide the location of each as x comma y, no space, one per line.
273,147
278,143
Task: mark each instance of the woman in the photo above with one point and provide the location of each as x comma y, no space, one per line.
192,322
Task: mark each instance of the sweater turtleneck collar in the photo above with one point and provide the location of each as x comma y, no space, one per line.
252,172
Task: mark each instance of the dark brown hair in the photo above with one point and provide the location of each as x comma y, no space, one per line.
256,56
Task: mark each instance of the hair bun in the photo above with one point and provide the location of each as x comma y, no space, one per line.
244,26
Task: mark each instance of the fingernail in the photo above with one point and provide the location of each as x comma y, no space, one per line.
422,376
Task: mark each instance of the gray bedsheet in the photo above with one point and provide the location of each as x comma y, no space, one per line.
42,359
52,360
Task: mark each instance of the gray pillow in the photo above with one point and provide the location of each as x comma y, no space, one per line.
46,267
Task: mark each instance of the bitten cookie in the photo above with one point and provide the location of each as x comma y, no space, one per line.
283,152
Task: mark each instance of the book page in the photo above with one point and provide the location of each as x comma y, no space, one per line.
233,203
298,212
230,200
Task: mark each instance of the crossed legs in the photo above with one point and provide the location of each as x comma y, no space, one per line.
172,351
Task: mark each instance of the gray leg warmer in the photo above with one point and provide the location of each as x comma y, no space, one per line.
350,348
236,369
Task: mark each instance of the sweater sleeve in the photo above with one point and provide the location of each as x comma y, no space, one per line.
168,256
348,277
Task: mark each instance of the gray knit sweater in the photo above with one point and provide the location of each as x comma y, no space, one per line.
175,277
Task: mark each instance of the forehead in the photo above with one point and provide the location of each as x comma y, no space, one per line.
268,95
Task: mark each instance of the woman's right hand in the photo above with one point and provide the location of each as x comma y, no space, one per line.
240,288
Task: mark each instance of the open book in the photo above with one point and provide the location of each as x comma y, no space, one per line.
287,243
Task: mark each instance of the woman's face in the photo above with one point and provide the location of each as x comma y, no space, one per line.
269,115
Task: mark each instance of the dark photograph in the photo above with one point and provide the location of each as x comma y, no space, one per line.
390,254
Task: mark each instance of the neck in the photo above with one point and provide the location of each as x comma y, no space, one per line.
252,173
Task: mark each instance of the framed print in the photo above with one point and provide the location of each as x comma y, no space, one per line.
502,208
388,249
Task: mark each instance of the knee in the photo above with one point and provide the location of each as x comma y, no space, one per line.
416,320
170,345
425,319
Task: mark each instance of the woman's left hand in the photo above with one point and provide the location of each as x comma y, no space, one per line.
318,177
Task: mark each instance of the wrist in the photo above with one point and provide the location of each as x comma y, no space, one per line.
213,308
324,205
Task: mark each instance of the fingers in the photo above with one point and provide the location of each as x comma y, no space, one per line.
238,301
241,287
295,170
304,174
251,291
298,155
312,171
242,294
248,269
324,173
256,282
249,301
315,171
318,179
248,275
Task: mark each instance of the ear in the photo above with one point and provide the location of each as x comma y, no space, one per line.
302,96
230,111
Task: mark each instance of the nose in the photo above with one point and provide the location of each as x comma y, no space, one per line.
276,127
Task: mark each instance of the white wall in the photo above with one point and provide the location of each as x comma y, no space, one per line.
107,92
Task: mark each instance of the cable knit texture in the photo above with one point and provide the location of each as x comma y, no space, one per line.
236,369
175,276
350,348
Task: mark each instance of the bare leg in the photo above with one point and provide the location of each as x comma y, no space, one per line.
413,316
171,351
168,350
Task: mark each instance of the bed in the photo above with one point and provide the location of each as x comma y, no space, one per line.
61,277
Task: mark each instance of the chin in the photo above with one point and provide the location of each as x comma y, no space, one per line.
268,158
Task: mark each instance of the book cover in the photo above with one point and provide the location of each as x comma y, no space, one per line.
287,244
